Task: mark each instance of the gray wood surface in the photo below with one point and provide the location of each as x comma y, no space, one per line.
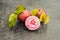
49,32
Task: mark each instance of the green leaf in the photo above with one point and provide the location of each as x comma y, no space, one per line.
34,12
12,20
20,9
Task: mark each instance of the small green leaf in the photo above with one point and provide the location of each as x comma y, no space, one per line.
20,9
34,12
12,20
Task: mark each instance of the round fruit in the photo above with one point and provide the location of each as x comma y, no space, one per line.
32,23
24,15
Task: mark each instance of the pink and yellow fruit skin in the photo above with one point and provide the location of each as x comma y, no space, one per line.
24,15
41,14
32,23
44,17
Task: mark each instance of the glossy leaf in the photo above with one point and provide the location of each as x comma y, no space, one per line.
34,12
12,20
19,9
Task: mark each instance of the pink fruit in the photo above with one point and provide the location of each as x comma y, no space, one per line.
39,12
24,15
32,23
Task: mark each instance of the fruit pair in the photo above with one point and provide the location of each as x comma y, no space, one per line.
31,22
41,14
12,20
